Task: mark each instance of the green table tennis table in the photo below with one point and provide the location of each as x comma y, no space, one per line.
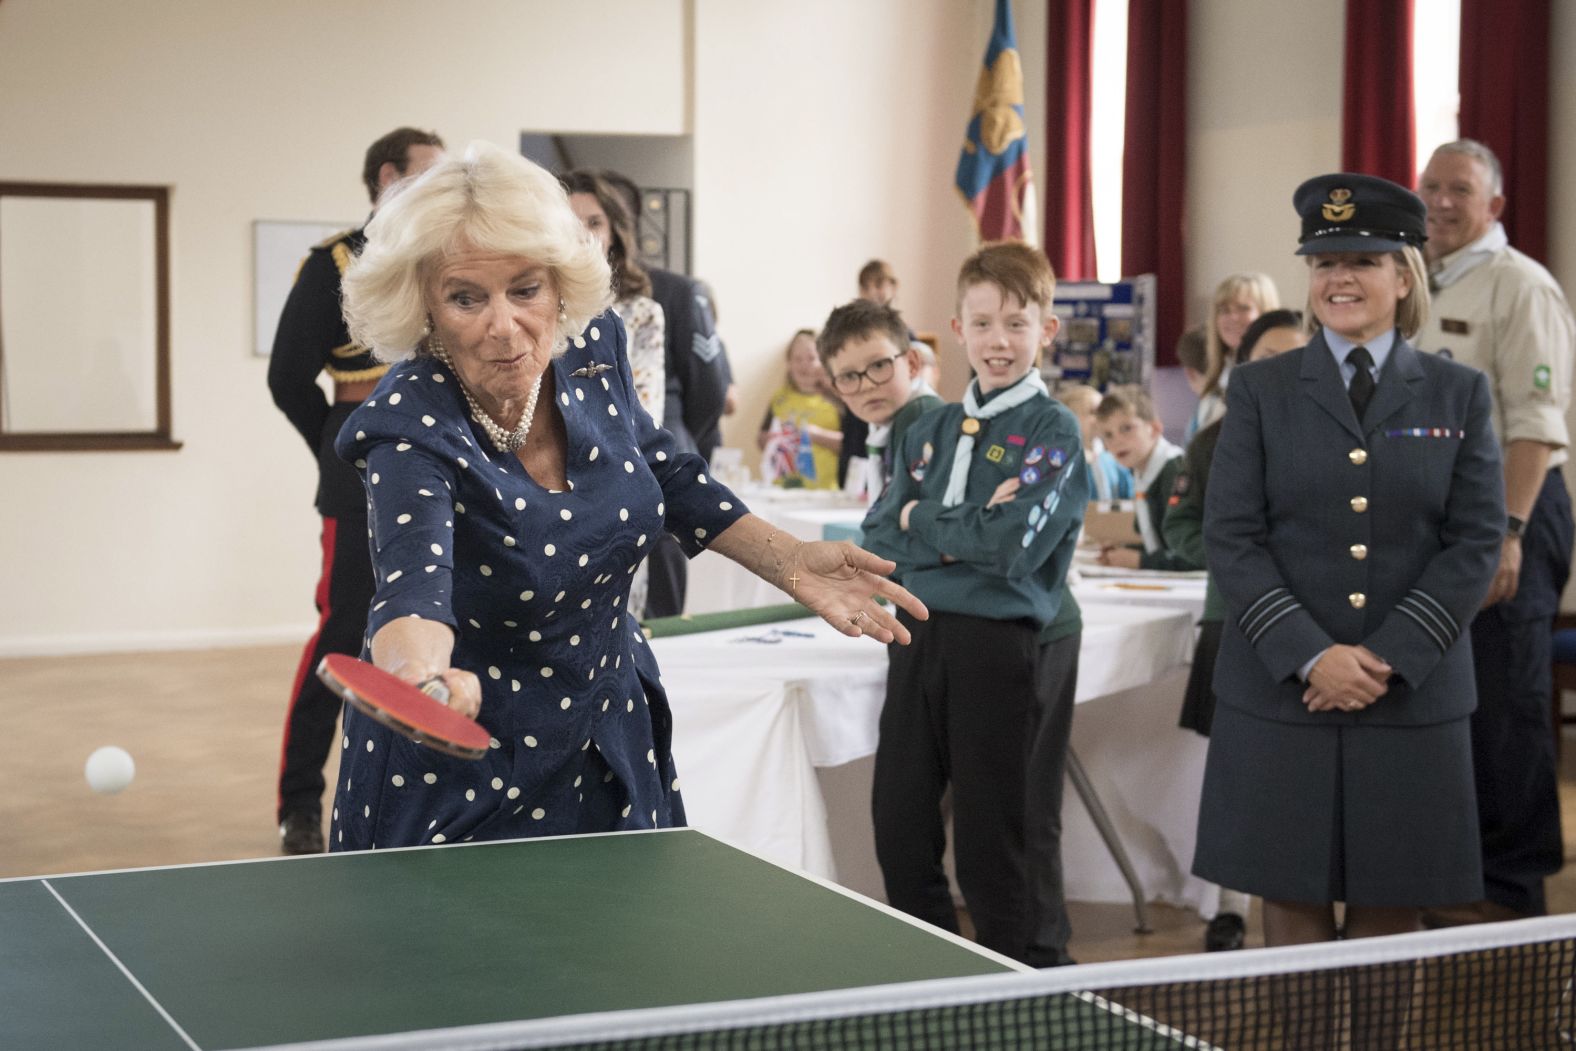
527,943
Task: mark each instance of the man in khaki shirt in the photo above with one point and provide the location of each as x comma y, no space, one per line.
1499,311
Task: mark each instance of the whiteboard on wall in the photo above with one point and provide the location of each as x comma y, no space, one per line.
278,249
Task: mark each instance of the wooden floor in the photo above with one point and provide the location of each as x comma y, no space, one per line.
204,728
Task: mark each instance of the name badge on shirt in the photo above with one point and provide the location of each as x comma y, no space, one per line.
1004,457
1455,326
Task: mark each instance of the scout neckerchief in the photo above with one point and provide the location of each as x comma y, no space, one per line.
880,434
1163,453
1469,258
973,412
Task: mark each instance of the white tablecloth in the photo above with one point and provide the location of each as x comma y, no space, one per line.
754,720
1158,590
717,584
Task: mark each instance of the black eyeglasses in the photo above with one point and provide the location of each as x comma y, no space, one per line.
877,372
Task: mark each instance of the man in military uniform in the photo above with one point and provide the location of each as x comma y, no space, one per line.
312,339
1499,311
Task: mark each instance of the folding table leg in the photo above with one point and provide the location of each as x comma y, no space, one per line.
1113,842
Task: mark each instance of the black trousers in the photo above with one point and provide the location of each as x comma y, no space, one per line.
1512,745
979,704
344,597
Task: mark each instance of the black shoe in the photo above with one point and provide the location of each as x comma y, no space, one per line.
1225,932
301,833
1042,960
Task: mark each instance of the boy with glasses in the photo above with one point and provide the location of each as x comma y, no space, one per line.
864,348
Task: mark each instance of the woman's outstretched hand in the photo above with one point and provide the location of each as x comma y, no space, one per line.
840,582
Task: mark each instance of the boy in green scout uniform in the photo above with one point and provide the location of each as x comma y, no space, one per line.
1130,429
982,514
865,349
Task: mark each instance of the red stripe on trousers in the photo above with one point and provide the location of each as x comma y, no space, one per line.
330,529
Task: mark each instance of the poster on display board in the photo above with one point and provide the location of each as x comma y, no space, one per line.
1107,333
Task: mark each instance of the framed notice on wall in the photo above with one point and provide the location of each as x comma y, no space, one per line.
278,249
1107,333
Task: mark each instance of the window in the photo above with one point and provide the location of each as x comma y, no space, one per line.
1436,74
1108,123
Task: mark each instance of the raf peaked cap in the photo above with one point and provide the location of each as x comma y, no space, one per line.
1357,213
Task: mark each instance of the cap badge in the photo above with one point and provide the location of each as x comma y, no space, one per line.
1337,210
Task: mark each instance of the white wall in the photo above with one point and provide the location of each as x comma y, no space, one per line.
827,133
824,133
251,110
1263,115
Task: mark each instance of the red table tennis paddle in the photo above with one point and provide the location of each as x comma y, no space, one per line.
417,712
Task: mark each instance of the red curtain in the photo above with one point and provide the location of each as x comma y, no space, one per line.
1154,161
1505,106
1378,122
1069,208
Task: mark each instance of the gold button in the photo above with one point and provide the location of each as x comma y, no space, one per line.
971,425
1357,599
1359,504
1359,551
1358,456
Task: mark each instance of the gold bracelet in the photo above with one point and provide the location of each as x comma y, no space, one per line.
778,564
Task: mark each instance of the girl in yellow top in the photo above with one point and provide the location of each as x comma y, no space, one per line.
802,432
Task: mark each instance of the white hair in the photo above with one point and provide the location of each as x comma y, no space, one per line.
1481,153
488,200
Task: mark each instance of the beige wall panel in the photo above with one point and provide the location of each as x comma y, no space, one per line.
251,111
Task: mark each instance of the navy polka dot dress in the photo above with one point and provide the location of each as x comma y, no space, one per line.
534,583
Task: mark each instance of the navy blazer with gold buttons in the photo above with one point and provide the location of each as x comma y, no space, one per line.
1322,530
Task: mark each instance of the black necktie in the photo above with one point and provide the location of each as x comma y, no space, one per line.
1362,387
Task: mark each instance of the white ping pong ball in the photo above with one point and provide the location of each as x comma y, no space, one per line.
109,769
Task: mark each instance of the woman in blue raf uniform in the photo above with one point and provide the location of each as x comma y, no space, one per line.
1353,524
514,485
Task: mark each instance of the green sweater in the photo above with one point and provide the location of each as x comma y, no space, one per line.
1005,562
1069,619
1158,498
1184,523
901,421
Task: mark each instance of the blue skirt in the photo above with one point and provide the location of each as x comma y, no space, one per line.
1382,816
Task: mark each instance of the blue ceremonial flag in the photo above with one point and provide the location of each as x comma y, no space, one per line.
993,169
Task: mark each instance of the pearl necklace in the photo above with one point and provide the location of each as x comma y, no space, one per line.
506,441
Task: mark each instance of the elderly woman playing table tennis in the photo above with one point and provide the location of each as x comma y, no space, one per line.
515,484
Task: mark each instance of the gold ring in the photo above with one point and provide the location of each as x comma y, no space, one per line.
857,617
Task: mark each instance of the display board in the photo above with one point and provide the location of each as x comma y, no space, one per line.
1107,333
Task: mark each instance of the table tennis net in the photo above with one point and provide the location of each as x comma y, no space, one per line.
1503,986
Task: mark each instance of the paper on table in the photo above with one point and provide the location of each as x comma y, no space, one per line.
1096,570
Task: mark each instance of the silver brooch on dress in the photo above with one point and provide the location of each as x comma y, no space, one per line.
592,370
